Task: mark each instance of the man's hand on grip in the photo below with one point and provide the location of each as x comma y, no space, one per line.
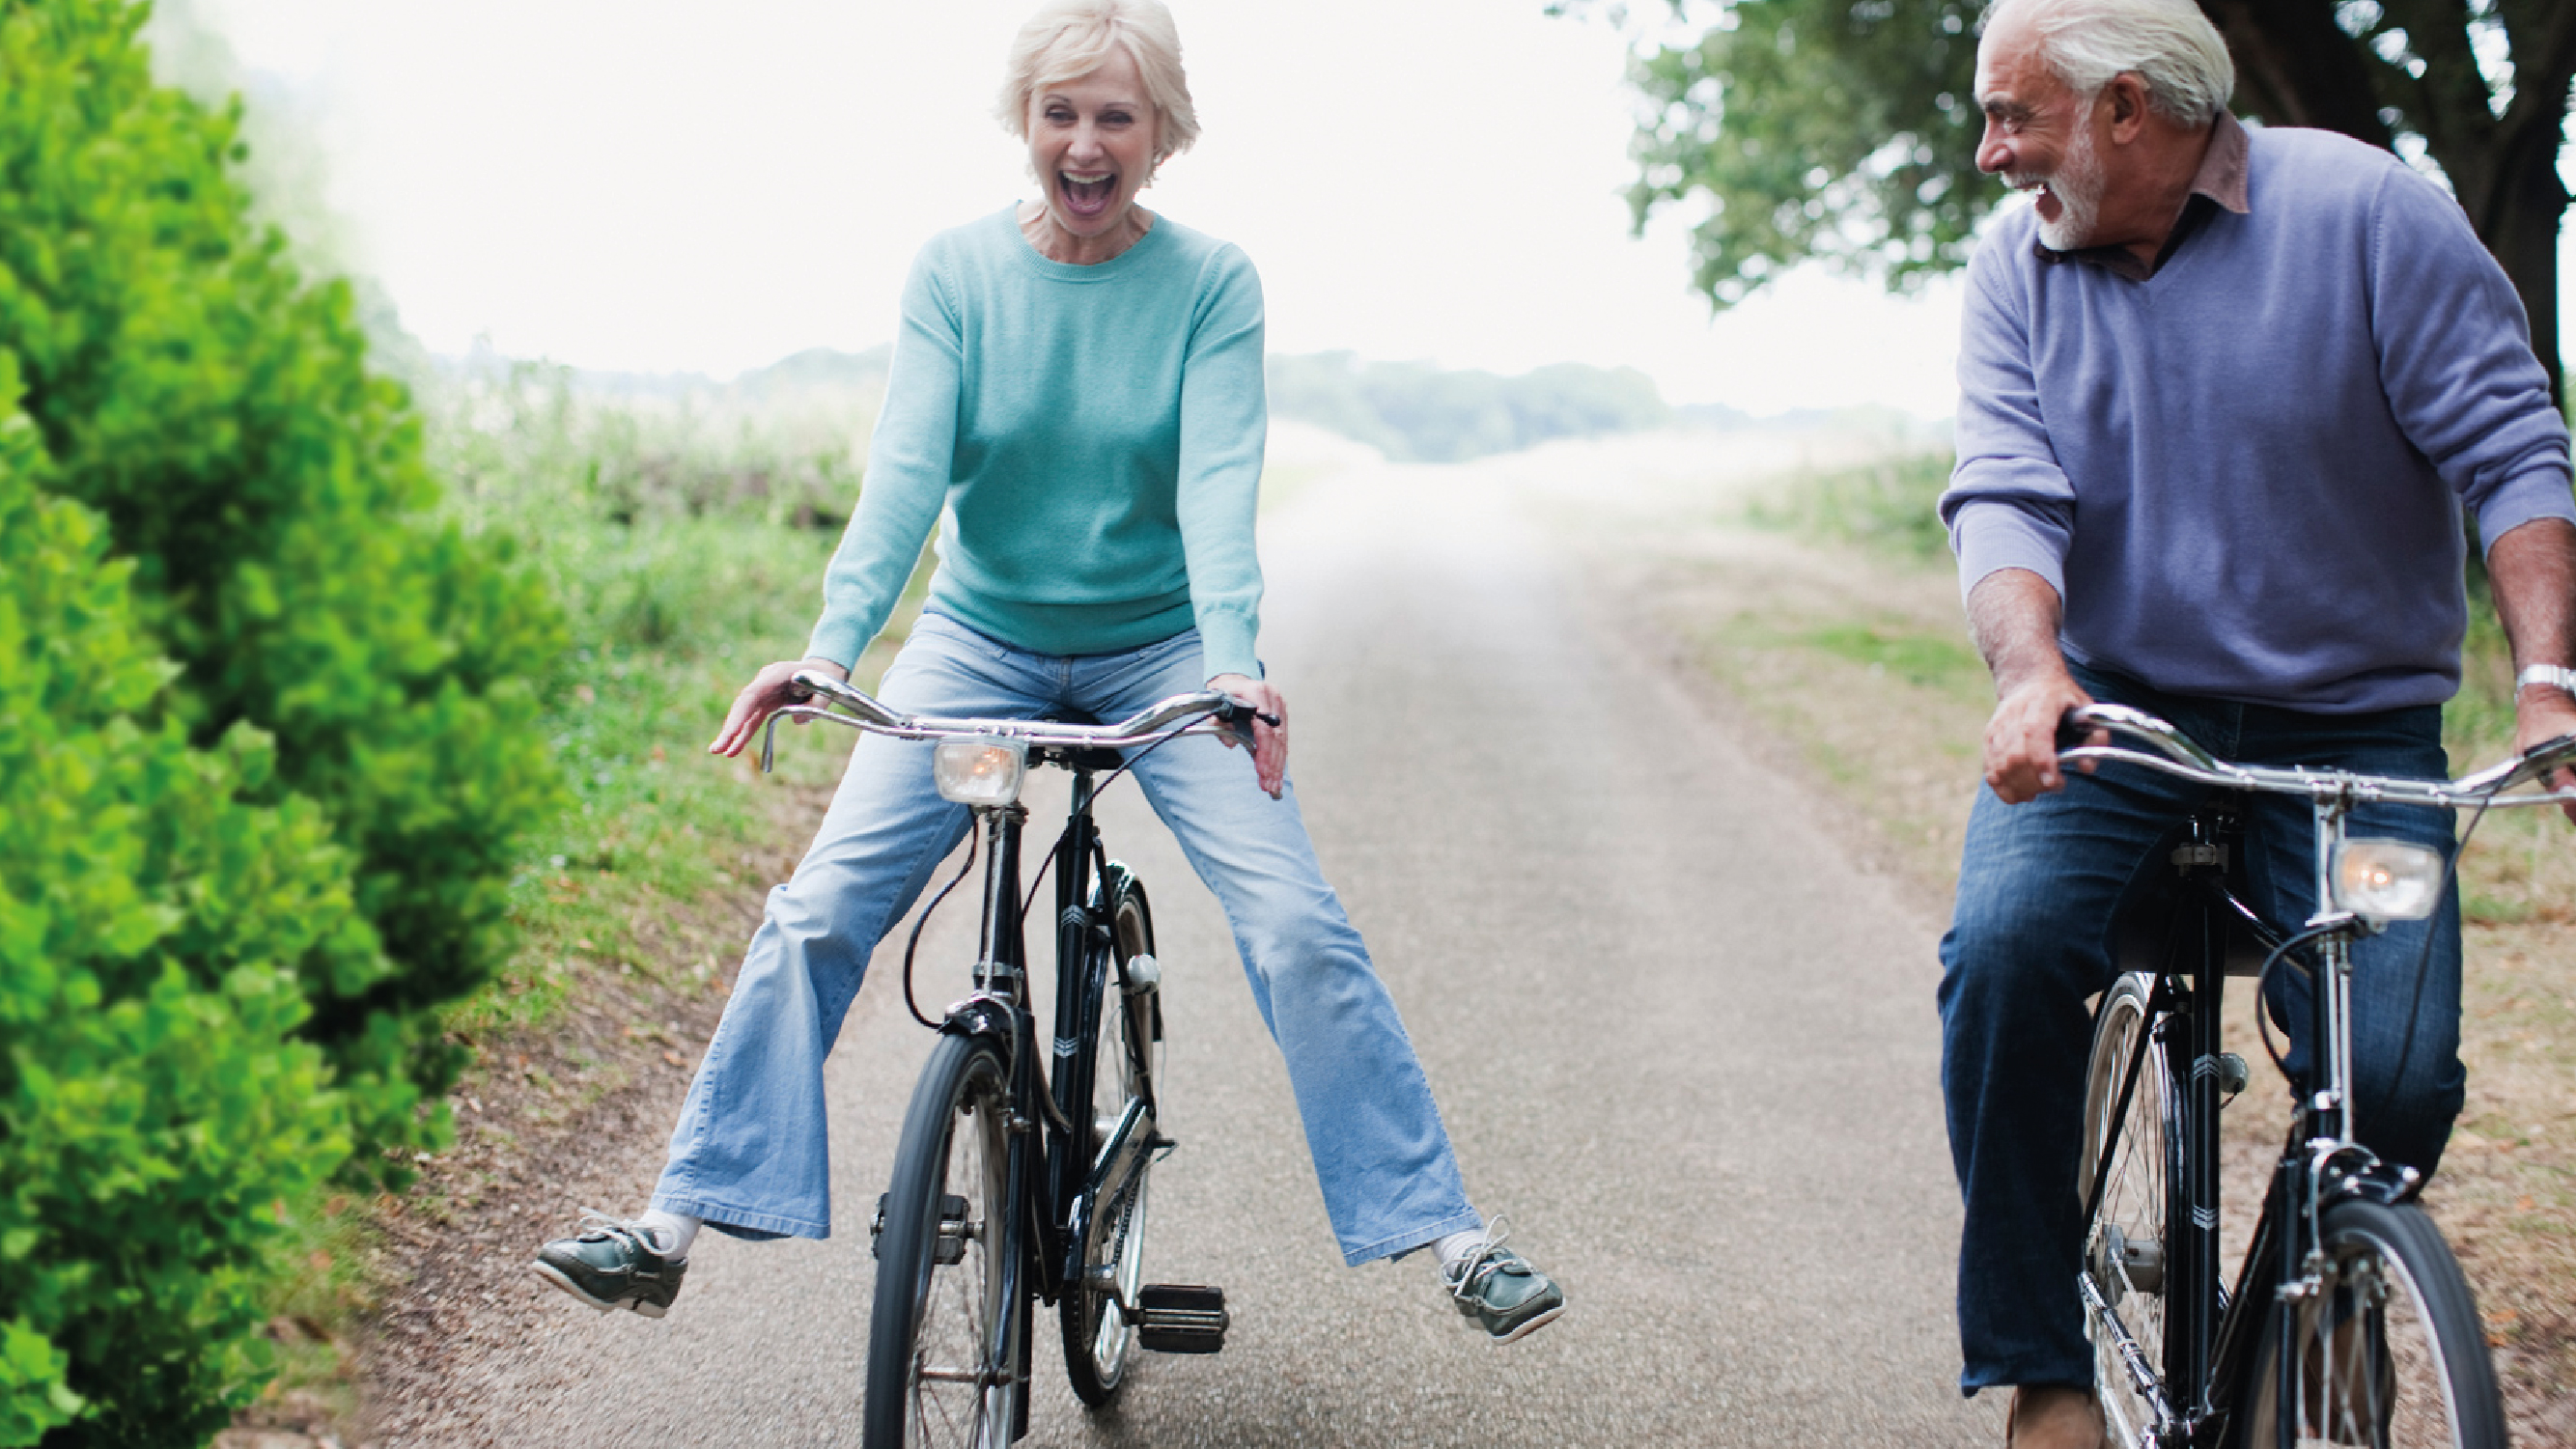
2022,737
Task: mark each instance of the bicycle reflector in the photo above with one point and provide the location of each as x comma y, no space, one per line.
2387,880
982,771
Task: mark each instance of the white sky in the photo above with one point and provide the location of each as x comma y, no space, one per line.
677,185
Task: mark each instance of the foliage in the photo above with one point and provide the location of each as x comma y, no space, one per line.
1415,412
782,444
1846,129
155,1100
1840,129
190,385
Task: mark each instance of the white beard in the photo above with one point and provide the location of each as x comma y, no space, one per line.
2077,185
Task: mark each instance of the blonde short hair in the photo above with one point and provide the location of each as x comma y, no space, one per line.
1068,39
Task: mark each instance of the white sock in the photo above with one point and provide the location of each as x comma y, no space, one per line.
672,1232
1458,1245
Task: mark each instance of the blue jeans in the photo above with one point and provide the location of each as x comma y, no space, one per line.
748,1154
2030,941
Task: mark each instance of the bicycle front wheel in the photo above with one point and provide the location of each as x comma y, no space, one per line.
2124,1243
1098,1339
943,1341
2386,1347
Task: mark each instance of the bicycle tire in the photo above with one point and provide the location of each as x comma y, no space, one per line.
2125,1239
2391,1351
944,1338
1099,1342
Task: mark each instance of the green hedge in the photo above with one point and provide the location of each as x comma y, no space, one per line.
269,747
216,408
155,1102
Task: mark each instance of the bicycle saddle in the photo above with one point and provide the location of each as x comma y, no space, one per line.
1095,761
2150,929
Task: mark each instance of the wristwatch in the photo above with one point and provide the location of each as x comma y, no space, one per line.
2556,676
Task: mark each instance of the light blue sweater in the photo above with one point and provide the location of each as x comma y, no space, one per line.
2244,474
1094,435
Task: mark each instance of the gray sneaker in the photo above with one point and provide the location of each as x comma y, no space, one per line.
1501,1291
612,1263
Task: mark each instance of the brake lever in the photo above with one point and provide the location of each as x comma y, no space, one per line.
1237,716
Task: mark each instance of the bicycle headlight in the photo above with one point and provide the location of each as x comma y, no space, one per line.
2387,880
984,771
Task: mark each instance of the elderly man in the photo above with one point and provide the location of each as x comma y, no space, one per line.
2223,397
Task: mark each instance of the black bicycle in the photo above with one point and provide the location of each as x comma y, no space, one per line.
1021,1172
2348,1322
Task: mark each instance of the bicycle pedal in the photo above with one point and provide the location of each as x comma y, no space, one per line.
1181,1318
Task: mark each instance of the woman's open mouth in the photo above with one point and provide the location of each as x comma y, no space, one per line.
1087,193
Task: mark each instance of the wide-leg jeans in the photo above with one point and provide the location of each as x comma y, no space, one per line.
749,1152
2031,941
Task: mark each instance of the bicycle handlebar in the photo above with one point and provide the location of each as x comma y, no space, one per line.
2169,750
1209,711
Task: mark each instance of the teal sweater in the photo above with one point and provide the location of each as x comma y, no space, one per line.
1094,436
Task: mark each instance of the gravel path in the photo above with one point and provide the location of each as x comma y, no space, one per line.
1678,1035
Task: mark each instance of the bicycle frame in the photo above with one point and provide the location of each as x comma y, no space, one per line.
2214,1337
1049,1102
1046,1104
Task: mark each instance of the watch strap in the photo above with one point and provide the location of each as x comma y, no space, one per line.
2555,676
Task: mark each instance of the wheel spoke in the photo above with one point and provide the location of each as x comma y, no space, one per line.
940,1362
1098,1339
2128,1225
2387,1347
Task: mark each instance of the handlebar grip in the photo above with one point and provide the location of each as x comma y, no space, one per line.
1236,711
2074,728
2551,754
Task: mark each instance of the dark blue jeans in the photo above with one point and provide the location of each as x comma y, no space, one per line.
2030,942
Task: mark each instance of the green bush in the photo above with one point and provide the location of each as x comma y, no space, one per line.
155,1100
523,438
191,386
1887,506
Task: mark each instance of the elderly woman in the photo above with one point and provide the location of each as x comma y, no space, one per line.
1078,382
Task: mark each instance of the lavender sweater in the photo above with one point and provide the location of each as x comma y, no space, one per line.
2243,474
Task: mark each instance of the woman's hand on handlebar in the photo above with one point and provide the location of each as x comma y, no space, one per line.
771,690
1269,741
2022,737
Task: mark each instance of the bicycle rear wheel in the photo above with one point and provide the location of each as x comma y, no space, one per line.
1098,1339
2124,1242
2388,1352
943,1340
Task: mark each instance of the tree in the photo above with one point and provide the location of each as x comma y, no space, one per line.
1845,129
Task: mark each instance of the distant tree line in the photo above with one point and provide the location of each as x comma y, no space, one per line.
1415,412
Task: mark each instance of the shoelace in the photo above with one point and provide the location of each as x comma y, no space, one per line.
1479,1261
608,1225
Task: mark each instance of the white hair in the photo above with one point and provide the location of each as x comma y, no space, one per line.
1068,39
2169,45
